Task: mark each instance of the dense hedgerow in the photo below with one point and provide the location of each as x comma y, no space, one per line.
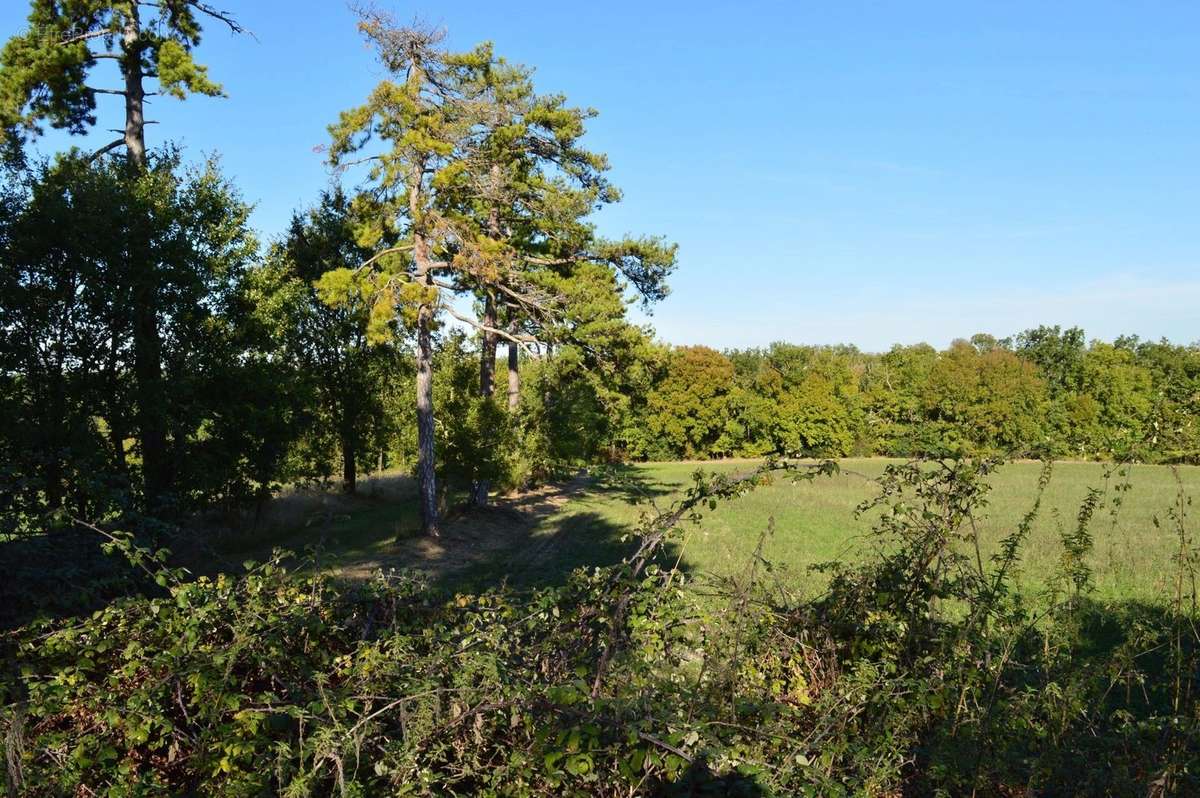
1045,392
921,672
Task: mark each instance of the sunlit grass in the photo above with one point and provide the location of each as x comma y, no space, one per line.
814,522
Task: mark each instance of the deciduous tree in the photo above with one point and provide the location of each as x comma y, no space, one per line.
46,75
68,348
320,312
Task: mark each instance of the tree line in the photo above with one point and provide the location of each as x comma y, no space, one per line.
1046,392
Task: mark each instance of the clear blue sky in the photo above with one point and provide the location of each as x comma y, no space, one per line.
863,172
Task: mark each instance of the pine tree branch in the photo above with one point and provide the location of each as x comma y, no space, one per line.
526,341
389,251
525,299
83,37
205,8
223,16
343,165
121,130
552,261
106,149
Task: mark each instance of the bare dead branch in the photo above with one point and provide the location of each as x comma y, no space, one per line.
222,16
343,165
524,299
527,341
106,149
83,37
665,746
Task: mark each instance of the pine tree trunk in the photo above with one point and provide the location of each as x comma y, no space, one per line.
514,378
426,476
487,354
487,383
135,94
147,341
426,462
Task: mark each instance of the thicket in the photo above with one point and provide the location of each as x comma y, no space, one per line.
919,672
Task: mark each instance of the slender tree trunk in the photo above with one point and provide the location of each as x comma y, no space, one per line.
55,472
116,439
487,383
349,464
487,354
147,342
426,461
514,378
150,395
115,418
425,431
346,402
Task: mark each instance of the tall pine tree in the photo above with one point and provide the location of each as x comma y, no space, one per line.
486,188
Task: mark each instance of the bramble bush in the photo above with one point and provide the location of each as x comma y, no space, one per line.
919,672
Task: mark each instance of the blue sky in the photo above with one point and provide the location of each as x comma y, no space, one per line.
862,172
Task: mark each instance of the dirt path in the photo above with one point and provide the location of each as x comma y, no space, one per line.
510,530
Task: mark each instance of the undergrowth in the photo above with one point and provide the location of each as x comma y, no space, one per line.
921,672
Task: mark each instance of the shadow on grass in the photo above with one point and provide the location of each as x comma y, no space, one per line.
59,575
529,540
629,483
542,554
534,539
65,573
1129,665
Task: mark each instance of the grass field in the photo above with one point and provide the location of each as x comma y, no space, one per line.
537,538
815,522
